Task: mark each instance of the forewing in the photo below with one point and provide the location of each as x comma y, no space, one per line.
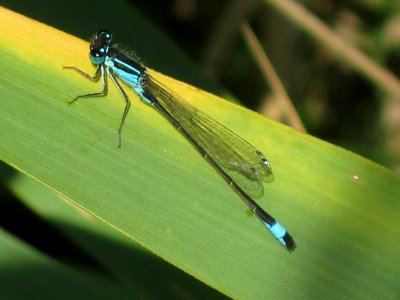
240,160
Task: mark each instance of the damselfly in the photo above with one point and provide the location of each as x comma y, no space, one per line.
241,165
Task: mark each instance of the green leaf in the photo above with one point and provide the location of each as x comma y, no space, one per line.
342,209
107,252
28,274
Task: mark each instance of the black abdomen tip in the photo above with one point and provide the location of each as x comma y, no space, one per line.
289,242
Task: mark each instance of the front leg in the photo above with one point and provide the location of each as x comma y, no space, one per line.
93,77
100,71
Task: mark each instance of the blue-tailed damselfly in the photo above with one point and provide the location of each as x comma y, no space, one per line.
241,165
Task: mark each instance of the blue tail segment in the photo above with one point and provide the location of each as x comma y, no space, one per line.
277,230
281,234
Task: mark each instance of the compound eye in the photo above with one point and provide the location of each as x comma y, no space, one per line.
105,36
97,56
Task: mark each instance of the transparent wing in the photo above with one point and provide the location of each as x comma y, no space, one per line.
245,164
